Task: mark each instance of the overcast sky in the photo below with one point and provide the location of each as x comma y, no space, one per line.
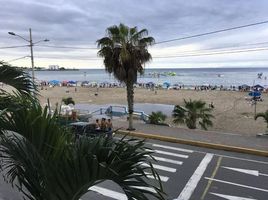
79,23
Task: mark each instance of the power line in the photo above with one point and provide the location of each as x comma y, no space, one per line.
11,47
213,53
17,59
227,47
212,32
69,58
66,47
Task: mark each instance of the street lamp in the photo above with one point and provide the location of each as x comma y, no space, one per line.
31,44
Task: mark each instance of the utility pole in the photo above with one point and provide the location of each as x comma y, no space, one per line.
32,58
31,44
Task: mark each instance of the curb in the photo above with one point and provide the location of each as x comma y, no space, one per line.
195,143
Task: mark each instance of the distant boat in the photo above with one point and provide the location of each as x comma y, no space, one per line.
220,75
172,73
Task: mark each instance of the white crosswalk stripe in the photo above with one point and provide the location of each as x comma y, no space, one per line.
109,193
168,160
169,153
162,178
116,195
173,148
160,167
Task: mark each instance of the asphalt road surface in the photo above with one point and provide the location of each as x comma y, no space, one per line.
194,173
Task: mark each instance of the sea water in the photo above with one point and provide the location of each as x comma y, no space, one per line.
194,76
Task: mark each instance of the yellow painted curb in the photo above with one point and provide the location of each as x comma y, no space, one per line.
195,143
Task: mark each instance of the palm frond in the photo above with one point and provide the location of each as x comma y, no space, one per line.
16,78
49,164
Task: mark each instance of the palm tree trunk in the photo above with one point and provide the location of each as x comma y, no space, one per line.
130,101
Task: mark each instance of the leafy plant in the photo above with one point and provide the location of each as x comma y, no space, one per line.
193,112
19,81
157,117
68,100
263,115
125,51
48,163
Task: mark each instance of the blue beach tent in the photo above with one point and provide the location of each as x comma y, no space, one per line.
166,84
72,82
54,82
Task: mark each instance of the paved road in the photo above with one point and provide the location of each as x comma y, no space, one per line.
195,173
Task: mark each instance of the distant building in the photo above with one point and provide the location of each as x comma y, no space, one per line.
53,67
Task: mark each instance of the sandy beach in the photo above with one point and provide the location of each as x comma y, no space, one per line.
233,114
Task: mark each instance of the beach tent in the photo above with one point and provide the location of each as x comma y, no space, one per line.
64,83
93,84
244,87
72,82
85,83
54,82
166,84
258,87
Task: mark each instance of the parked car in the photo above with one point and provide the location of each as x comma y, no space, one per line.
85,129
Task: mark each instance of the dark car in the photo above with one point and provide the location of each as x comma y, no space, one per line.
85,129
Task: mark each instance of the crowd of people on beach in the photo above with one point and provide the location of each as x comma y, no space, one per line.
151,86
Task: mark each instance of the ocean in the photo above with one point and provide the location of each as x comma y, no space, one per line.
186,76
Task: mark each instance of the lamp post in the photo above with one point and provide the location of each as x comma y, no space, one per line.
31,44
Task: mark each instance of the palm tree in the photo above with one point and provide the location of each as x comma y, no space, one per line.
193,112
48,163
125,51
157,117
18,80
264,116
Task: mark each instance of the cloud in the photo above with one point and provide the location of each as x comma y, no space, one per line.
81,23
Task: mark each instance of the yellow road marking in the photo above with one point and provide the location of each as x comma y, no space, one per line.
212,176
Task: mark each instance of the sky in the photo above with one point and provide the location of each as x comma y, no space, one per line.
79,23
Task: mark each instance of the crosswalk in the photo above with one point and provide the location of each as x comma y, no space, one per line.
169,160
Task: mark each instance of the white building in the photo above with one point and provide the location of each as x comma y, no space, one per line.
53,67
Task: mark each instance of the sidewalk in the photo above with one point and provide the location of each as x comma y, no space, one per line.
212,138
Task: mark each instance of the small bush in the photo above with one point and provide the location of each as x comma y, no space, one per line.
157,117
68,100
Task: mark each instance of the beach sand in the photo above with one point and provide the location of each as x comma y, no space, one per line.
233,114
